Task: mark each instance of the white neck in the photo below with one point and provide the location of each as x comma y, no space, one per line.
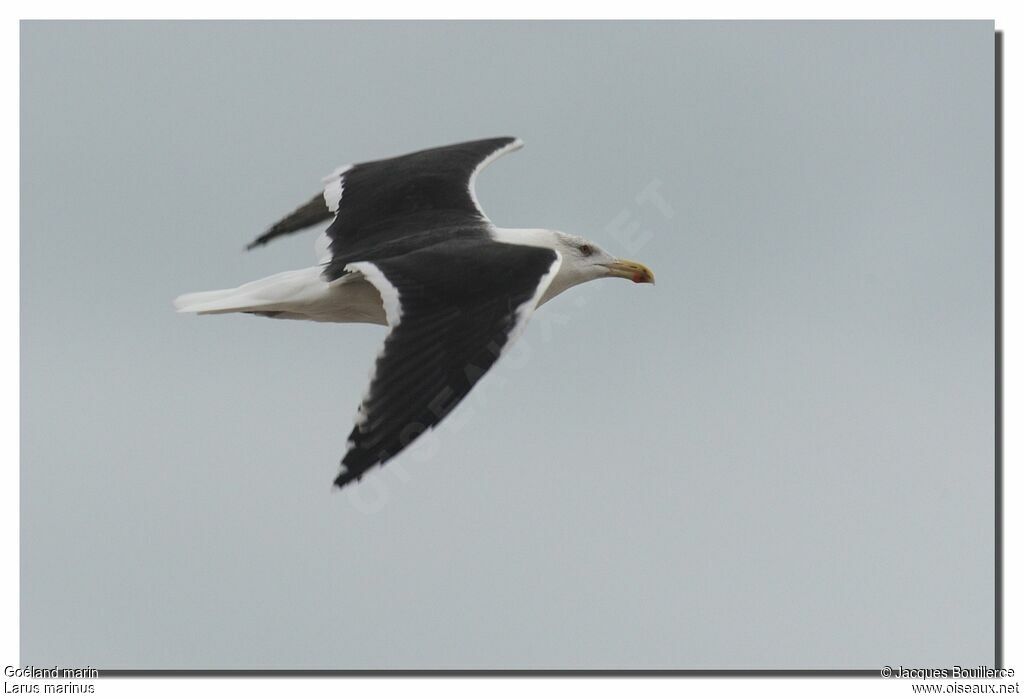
536,237
570,272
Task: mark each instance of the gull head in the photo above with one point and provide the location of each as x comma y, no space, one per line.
588,260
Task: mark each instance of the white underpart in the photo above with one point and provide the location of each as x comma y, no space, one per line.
513,146
334,185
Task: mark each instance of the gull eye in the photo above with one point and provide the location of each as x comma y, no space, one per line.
586,250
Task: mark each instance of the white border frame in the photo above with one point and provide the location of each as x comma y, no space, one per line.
1008,20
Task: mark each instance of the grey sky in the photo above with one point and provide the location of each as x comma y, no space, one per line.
781,456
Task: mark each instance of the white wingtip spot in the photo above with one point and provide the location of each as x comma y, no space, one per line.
334,185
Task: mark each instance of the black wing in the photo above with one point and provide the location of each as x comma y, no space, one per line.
309,214
447,328
369,200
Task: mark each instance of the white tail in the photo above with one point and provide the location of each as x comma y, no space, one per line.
280,292
302,294
220,301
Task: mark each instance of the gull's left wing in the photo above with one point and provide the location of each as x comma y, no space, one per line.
452,308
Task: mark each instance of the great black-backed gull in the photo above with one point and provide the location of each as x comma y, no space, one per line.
409,247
